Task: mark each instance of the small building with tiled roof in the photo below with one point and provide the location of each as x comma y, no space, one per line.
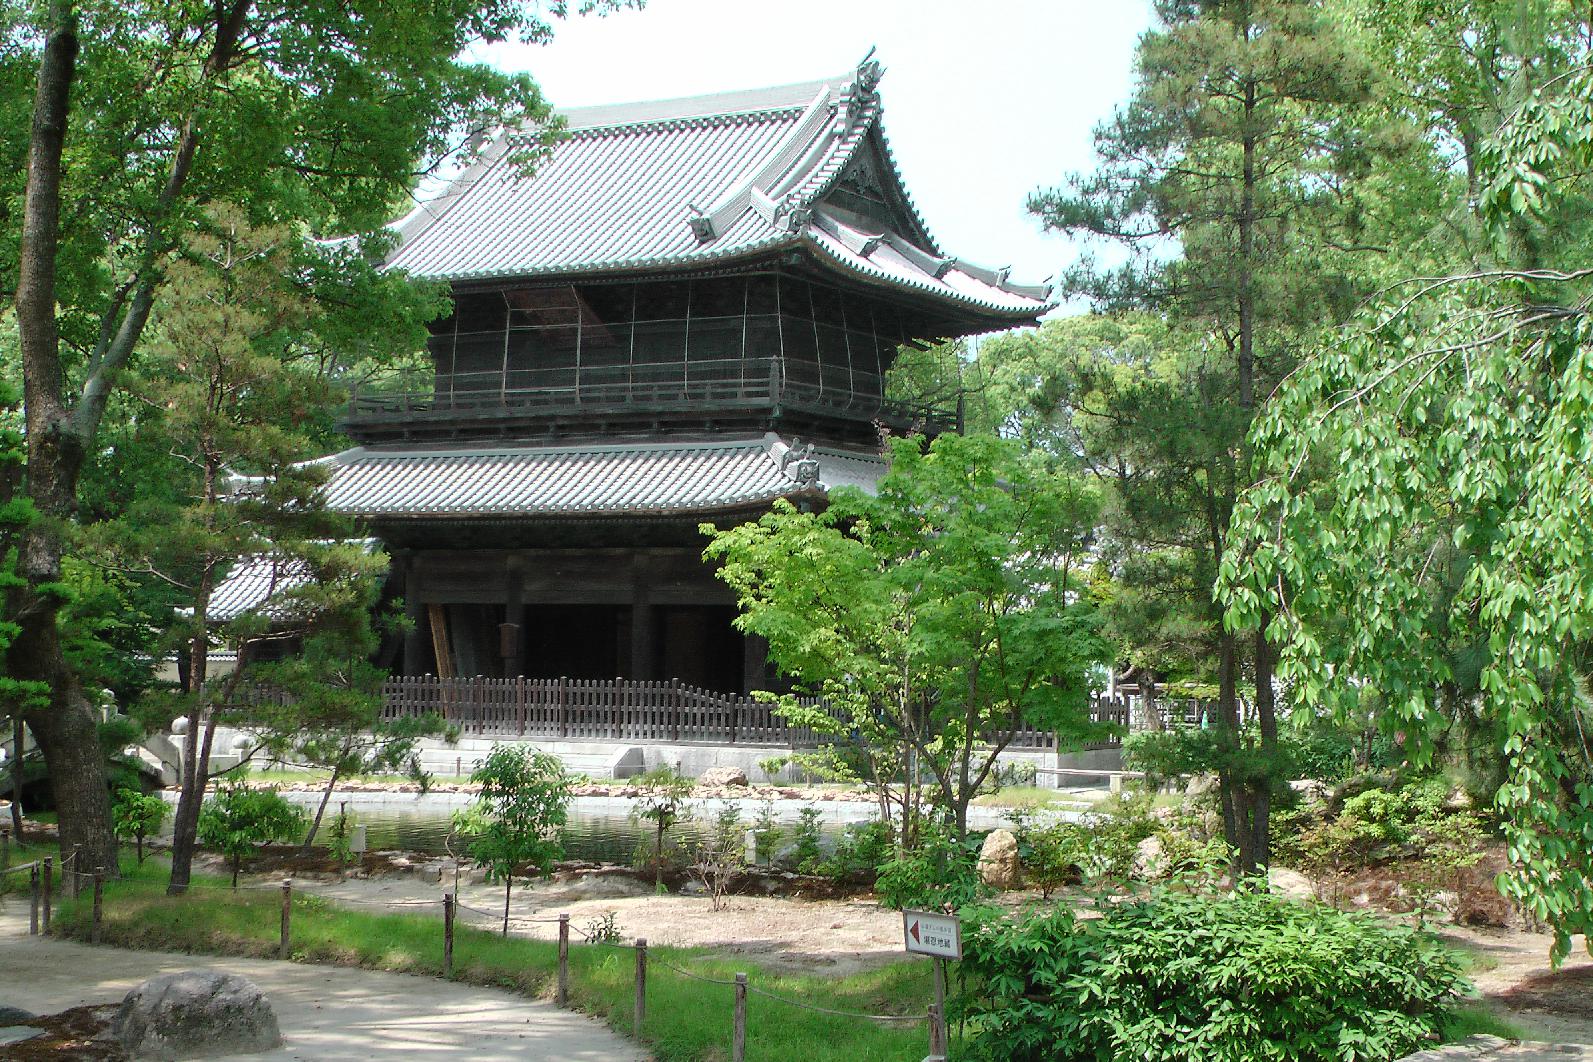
686,310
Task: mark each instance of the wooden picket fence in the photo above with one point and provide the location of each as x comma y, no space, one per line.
626,710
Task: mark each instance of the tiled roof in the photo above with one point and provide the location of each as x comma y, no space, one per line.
252,581
627,479
700,181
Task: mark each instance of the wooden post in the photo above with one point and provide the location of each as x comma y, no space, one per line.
940,999
284,948
33,907
641,984
5,847
738,1038
99,905
561,993
564,710
49,874
937,1034
448,934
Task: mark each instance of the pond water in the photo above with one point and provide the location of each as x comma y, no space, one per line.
601,829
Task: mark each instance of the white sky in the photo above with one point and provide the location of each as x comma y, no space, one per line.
983,102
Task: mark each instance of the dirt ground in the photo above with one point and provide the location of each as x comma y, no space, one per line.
798,935
1513,976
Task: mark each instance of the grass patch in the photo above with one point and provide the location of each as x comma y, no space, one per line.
687,1020
1476,1019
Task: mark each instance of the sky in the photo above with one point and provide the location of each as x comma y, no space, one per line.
984,101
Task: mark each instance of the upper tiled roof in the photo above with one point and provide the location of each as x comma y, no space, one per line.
679,183
625,479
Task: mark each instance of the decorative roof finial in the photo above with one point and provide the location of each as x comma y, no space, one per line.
869,72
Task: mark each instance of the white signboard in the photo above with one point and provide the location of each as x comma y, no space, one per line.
929,933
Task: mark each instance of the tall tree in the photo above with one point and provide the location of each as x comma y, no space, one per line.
1424,477
936,617
1224,173
325,112
233,380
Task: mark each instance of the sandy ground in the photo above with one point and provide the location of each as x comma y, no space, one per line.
837,936
1514,977
327,1014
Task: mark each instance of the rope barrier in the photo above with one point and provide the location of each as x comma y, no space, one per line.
21,867
496,916
837,1013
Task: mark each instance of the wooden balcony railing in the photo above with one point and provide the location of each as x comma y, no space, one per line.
624,710
739,385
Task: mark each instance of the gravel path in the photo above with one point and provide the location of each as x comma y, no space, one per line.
327,1014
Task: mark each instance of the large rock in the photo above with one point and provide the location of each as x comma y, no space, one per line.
1150,860
1291,884
998,861
10,1015
720,776
196,1014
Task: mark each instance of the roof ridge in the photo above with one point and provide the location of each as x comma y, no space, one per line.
676,123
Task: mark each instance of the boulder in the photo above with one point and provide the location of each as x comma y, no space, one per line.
1291,884
720,776
1200,785
998,861
13,1015
195,1014
608,886
1311,791
1149,861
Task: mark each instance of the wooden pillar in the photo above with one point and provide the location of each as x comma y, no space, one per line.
514,615
754,663
417,633
644,624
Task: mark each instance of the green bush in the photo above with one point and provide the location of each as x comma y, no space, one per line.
806,855
942,873
137,815
238,818
1051,853
863,848
1180,975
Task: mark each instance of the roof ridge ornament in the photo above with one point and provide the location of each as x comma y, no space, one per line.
702,225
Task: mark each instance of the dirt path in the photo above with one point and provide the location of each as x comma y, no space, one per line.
327,1014
1514,977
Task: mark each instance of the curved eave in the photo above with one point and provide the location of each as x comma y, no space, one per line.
855,266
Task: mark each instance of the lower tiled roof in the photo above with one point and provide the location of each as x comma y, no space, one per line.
625,479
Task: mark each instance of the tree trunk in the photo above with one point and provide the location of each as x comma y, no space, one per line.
1267,722
326,797
185,824
1147,690
508,889
18,733
65,728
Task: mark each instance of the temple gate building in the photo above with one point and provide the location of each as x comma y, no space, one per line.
686,312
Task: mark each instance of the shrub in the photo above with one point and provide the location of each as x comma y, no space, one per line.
1051,852
1215,978
862,849
720,857
137,815
807,855
1115,829
942,873
238,818
518,816
766,833
1410,822
664,802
